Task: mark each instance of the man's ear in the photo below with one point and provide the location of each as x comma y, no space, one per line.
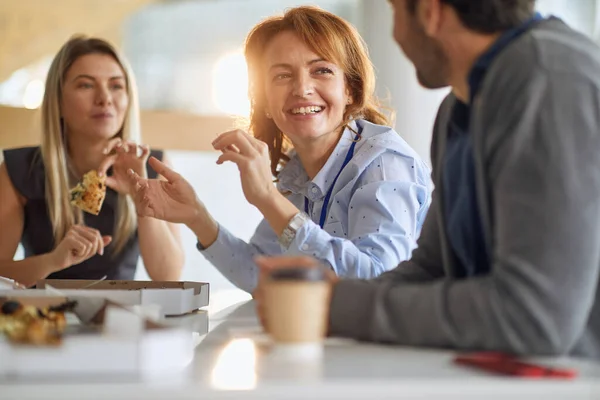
429,13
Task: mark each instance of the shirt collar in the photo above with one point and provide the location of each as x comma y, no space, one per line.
484,62
293,177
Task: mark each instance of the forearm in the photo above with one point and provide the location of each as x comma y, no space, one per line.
278,211
234,257
488,313
160,249
29,270
204,227
365,255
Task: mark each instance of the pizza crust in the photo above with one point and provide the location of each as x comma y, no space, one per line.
89,194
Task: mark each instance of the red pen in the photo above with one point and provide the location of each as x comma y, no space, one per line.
505,364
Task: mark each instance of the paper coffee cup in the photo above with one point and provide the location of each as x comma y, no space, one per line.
297,305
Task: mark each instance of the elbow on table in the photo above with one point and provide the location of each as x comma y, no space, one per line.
556,341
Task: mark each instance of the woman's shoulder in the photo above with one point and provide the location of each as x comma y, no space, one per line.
383,148
379,139
22,154
26,170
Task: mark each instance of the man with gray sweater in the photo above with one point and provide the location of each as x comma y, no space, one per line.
509,255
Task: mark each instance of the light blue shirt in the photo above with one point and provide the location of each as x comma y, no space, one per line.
375,215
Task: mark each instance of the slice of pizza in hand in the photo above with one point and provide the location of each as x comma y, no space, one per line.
89,193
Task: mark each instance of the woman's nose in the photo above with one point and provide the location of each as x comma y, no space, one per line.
303,87
103,96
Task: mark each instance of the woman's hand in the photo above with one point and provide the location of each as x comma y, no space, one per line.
79,244
173,200
123,156
252,159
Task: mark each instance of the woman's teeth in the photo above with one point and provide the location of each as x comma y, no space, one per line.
306,110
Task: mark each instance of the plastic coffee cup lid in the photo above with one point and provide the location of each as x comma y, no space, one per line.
298,274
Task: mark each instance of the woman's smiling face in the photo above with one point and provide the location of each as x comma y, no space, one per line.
306,96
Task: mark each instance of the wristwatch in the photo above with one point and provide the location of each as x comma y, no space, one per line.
289,232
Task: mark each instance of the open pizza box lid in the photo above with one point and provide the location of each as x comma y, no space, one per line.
36,301
173,298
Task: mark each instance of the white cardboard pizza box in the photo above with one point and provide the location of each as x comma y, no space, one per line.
174,298
127,345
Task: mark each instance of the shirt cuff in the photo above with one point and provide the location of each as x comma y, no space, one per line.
308,241
350,310
223,244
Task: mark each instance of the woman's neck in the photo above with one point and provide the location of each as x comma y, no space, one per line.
84,154
314,154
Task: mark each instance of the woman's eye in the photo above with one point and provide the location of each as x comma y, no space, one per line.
118,87
85,85
279,77
323,71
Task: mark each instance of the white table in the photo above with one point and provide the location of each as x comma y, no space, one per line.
234,361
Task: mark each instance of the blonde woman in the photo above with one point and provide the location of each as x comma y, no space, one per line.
89,122
350,191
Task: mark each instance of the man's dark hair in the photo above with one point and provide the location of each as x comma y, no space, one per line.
488,16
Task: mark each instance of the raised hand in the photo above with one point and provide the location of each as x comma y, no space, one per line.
252,159
123,156
79,244
173,200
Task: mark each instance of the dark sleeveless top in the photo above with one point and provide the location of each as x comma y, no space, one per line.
26,171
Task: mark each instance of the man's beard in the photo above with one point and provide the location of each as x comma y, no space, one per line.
430,61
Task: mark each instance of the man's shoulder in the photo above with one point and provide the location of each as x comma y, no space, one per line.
552,48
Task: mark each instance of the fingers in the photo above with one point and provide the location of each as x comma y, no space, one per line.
145,152
143,206
136,150
136,181
260,308
140,195
106,240
112,146
163,170
231,156
111,182
240,139
231,148
117,147
94,241
77,245
108,162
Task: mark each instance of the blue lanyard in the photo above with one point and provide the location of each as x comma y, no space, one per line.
349,156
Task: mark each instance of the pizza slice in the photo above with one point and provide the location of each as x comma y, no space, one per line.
89,193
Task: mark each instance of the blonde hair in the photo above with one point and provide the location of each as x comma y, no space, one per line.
54,151
330,37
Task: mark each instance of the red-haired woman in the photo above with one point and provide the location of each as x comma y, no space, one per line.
350,191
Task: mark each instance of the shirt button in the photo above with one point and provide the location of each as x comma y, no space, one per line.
314,190
304,247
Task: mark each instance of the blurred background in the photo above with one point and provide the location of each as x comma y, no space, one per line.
187,58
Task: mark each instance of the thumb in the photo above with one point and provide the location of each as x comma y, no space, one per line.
106,240
111,182
106,164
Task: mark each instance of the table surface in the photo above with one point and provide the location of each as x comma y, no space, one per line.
235,360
